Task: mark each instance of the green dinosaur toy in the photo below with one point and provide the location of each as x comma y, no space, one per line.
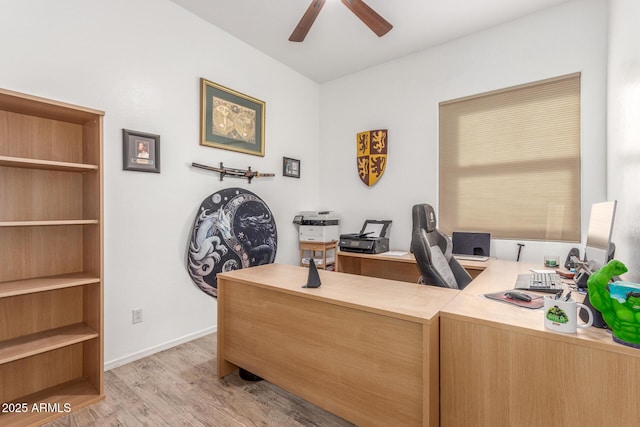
623,317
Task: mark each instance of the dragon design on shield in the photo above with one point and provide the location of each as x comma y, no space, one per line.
233,229
371,150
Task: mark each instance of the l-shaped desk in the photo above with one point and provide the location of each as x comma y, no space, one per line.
382,352
401,266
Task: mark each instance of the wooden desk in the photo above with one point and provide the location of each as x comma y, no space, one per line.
385,266
363,348
501,367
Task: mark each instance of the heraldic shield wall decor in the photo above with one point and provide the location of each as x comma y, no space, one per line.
233,229
371,149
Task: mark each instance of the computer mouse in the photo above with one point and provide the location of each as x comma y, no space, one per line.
518,295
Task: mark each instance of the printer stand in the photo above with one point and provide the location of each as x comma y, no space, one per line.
325,261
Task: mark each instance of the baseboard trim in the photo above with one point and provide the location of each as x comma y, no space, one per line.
158,348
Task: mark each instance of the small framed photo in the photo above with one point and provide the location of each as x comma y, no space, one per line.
290,167
140,151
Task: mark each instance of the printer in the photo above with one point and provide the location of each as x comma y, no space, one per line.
317,226
372,239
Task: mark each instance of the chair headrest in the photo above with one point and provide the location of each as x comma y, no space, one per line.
424,217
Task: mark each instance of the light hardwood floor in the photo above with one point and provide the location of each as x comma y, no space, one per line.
179,387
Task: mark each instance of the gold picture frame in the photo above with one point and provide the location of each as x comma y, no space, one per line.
231,120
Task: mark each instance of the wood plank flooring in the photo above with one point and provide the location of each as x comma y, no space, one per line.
179,387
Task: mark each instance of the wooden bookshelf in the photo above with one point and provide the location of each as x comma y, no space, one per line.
18,162
41,284
73,395
47,223
51,258
51,339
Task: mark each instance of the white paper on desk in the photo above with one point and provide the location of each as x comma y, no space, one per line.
533,270
396,253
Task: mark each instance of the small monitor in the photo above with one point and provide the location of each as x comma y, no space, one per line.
598,248
465,243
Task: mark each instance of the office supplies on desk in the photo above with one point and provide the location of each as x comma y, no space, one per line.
539,282
581,280
479,258
565,274
518,295
551,261
313,279
474,245
508,296
598,320
561,314
570,261
396,253
372,238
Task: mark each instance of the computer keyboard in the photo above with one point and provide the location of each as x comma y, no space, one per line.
545,281
541,282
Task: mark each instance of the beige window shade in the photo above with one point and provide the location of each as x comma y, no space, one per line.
510,162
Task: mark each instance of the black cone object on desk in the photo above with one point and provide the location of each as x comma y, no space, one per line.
313,280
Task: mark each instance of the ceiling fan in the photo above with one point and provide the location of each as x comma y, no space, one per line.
367,15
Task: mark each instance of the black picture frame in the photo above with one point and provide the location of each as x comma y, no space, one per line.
231,120
290,167
140,151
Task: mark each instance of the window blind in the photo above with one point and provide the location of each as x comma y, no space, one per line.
509,162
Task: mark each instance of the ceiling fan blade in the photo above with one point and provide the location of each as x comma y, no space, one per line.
303,27
377,23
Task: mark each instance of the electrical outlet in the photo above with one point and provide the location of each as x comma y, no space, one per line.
137,315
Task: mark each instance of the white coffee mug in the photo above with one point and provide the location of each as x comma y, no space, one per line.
562,316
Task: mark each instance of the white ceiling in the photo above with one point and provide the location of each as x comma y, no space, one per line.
339,43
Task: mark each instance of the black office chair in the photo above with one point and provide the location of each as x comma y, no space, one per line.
432,250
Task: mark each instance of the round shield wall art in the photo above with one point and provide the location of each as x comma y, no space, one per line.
233,229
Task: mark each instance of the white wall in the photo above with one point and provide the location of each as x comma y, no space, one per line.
403,96
623,136
140,61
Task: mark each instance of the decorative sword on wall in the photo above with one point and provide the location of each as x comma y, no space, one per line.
236,173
